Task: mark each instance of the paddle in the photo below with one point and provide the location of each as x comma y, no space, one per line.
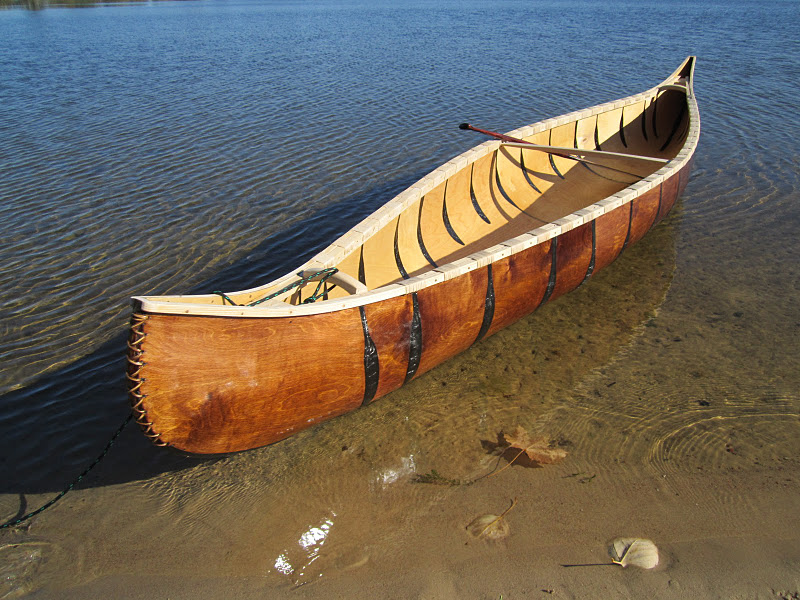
499,136
508,138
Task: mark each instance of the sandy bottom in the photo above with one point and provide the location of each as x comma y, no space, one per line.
731,534
676,403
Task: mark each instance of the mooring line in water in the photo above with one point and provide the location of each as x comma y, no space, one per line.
77,480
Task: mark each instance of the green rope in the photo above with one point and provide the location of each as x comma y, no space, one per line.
63,493
319,292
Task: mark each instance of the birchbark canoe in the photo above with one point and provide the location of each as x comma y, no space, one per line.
475,245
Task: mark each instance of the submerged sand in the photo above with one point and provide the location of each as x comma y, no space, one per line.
679,419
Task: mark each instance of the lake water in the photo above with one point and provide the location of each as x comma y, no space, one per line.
173,147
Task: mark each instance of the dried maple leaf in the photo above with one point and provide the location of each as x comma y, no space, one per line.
538,449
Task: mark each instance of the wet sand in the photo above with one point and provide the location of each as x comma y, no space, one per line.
729,534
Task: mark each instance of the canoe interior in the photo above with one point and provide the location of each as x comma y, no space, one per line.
511,191
505,193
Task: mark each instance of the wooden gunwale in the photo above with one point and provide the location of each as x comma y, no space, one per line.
359,234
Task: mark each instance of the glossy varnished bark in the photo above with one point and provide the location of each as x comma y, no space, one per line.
390,328
520,282
451,314
573,256
611,230
215,385
669,196
645,212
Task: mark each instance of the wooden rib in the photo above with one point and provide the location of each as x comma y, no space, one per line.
678,129
422,233
669,115
464,219
537,163
514,182
380,266
494,206
476,205
499,187
643,119
636,144
526,173
584,134
447,224
398,259
562,136
654,113
608,131
408,244
435,239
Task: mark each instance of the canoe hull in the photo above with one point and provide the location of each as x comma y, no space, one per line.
239,383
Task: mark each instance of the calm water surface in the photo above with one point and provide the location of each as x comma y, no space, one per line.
188,147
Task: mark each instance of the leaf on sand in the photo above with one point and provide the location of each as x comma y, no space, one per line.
634,551
538,449
493,527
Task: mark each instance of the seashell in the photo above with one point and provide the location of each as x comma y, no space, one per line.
634,551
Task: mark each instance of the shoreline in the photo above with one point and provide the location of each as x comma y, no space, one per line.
726,533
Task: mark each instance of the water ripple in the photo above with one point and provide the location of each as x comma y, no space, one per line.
162,152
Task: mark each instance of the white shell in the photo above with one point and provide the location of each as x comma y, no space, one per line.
634,551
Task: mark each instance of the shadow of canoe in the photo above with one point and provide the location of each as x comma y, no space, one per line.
53,428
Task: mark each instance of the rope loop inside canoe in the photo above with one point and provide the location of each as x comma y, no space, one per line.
319,292
76,481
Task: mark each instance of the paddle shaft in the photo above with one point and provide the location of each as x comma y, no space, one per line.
516,142
506,138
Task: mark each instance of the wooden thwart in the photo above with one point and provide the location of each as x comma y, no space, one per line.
582,152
